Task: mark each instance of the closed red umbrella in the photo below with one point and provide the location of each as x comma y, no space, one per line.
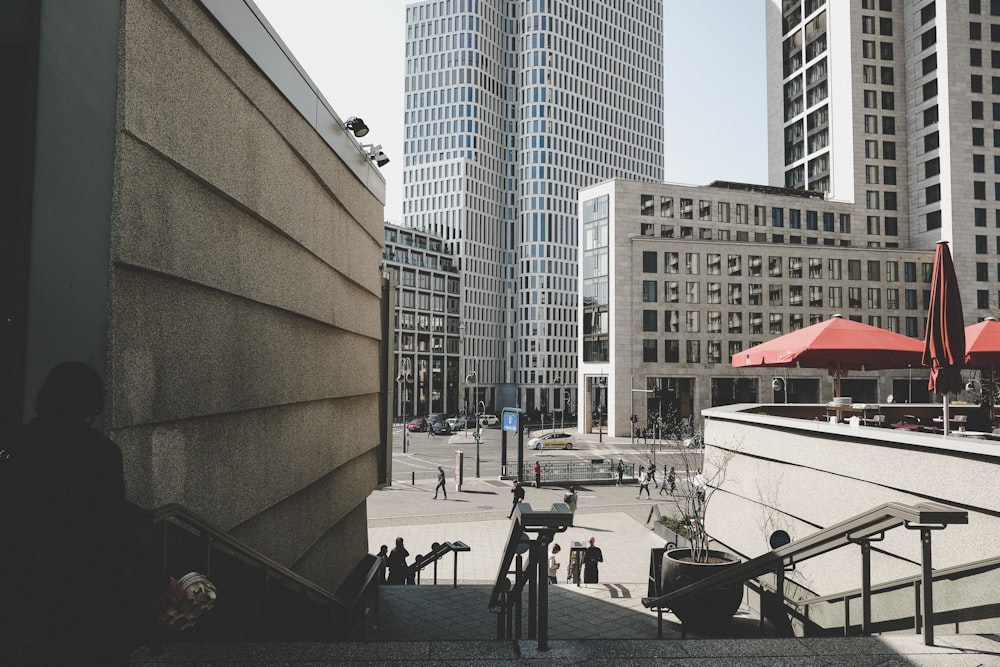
944,338
837,344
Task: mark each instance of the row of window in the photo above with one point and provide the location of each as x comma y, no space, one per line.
713,349
743,214
796,268
796,295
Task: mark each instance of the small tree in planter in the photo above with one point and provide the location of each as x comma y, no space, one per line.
695,485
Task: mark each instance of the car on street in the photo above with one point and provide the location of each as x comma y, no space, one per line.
440,427
458,423
553,440
416,425
489,420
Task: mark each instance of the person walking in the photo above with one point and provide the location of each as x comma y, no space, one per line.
440,484
643,483
430,428
591,557
518,492
570,498
621,471
554,564
538,474
672,480
651,469
398,569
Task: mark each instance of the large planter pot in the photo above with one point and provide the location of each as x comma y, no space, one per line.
709,607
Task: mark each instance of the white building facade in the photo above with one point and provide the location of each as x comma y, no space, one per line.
895,105
677,279
511,108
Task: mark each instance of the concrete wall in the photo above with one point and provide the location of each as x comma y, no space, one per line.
801,476
244,298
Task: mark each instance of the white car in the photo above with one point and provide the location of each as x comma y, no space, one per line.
489,420
554,440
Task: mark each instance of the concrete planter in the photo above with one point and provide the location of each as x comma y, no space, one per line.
712,607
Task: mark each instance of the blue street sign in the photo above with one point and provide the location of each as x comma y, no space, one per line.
511,420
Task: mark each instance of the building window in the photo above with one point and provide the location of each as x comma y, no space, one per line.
693,351
649,350
649,261
691,294
649,320
649,291
666,207
646,204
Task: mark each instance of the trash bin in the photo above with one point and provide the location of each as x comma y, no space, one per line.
575,569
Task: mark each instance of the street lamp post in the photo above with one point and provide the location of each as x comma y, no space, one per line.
473,377
562,404
402,378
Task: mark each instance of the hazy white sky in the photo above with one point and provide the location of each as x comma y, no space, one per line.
713,68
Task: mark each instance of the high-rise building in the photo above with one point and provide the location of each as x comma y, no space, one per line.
511,108
895,105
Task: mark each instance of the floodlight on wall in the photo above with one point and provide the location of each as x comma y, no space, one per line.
357,126
375,154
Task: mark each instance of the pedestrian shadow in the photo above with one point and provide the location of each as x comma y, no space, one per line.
481,493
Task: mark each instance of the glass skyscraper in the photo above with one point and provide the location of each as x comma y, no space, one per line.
512,106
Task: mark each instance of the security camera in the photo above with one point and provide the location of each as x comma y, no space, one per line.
777,384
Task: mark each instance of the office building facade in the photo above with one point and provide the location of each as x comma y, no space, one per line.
426,325
677,279
511,108
895,106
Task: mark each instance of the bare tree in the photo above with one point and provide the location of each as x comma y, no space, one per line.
694,486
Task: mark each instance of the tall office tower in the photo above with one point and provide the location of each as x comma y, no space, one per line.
511,107
895,105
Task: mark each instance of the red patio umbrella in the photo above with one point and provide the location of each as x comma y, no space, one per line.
944,338
837,344
982,351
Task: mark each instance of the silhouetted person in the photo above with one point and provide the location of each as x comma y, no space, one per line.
591,557
620,469
570,498
398,569
75,578
440,484
383,563
518,492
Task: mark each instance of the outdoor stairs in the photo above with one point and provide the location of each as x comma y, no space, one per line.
424,625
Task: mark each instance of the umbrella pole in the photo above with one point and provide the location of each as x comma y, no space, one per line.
989,395
947,418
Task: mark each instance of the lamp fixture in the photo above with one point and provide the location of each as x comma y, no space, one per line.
375,154
357,126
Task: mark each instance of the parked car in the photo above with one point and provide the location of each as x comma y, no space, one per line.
441,427
554,440
416,425
458,423
489,420
436,417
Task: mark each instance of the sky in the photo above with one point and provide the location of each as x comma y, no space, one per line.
714,81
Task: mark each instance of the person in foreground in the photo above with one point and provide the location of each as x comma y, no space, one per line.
79,585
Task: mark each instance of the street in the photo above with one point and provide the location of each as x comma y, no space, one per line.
424,453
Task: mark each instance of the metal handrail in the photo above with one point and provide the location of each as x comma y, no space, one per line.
947,573
924,516
878,520
178,512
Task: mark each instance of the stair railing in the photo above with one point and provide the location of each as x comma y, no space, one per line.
860,530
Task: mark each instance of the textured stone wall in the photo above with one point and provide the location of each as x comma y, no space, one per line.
245,293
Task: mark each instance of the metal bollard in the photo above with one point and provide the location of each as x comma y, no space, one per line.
413,478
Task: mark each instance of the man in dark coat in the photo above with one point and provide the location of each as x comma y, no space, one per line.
518,492
591,557
68,560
